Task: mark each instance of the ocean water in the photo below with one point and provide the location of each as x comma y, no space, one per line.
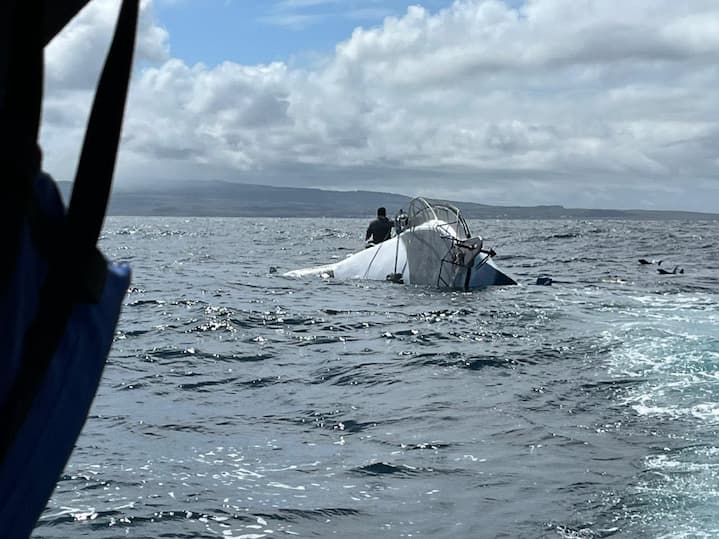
240,403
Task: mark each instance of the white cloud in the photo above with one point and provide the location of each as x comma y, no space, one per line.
75,56
300,14
576,102
294,21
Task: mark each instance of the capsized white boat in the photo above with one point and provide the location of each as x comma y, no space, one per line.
432,246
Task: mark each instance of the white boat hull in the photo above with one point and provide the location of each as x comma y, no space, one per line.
423,255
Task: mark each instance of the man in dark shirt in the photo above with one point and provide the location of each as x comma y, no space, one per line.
380,229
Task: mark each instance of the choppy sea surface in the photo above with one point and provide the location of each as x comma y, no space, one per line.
240,403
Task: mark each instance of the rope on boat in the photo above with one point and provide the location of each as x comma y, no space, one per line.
369,266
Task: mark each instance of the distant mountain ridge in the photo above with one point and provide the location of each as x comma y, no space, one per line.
227,199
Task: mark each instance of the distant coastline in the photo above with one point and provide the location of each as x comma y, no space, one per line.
226,199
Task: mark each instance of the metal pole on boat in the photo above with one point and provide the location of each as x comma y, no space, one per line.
396,277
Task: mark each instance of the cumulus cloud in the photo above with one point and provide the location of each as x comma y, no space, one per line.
575,102
74,58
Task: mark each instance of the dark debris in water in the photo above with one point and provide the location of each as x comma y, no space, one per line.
383,468
313,514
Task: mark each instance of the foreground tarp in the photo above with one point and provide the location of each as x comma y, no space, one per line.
56,411
59,298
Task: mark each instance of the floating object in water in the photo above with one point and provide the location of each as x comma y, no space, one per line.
662,271
433,247
544,281
644,261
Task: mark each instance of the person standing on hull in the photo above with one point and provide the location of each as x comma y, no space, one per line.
380,229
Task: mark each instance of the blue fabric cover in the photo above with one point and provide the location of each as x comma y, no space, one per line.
47,437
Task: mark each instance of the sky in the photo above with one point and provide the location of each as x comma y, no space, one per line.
583,103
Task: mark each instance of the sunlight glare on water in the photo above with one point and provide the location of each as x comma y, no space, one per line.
239,403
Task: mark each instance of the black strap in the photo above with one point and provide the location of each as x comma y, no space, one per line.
20,109
20,114
57,13
94,178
